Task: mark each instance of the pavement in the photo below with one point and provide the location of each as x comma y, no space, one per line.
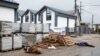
66,51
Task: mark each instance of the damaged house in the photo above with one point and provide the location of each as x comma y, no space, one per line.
58,19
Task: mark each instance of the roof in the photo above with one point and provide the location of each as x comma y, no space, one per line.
9,4
71,12
9,1
21,12
31,10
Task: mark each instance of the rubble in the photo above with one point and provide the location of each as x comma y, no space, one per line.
52,47
51,42
69,41
33,49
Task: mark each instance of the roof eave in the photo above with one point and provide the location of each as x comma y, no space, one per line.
9,4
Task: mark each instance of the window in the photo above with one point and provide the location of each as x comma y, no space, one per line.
48,17
18,19
39,19
48,14
26,18
32,17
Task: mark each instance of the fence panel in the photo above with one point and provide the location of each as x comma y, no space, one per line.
6,43
16,27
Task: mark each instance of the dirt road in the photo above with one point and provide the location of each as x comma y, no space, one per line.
66,51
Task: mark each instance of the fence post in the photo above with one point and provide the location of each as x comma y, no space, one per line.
67,30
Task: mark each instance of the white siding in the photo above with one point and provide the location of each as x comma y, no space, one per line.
52,21
24,19
71,22
71,25
45,21
6,14
44,18
62,22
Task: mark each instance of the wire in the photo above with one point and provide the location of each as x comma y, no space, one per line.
90,12
87,11
88,4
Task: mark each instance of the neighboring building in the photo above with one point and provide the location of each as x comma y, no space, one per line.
85,29
29,16
96,28
57,19
8,10
20,16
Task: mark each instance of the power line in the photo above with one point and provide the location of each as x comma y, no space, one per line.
88,4
87,11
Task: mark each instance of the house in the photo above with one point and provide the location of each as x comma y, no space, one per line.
29,16
20,16
8,10
58,19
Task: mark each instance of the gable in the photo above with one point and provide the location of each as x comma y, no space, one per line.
31,11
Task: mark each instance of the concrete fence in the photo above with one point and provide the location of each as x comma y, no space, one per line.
5,27
30,27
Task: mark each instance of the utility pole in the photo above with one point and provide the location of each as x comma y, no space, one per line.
92,22
80,10
78,18
75,6
76,26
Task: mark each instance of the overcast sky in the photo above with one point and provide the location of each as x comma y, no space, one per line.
65,5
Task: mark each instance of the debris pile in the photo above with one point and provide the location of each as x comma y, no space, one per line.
51,42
